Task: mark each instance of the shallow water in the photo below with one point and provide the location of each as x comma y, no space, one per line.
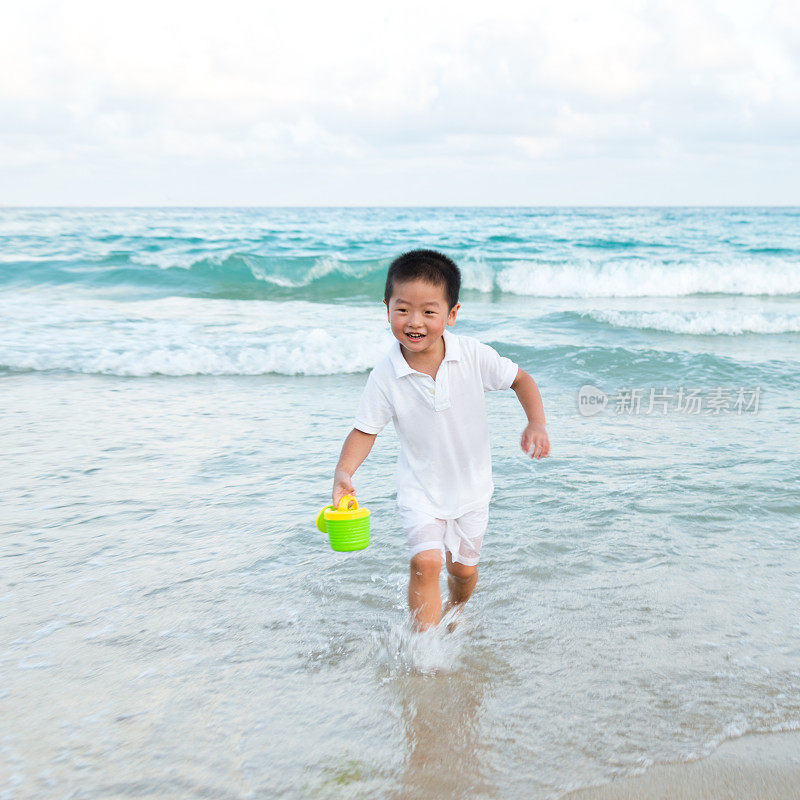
173,624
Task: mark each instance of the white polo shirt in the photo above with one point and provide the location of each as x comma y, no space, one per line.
445,465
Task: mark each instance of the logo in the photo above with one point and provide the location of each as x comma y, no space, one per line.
591,400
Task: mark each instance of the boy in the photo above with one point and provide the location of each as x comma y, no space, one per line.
431,384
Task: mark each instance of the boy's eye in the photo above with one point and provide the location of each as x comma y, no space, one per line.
430,312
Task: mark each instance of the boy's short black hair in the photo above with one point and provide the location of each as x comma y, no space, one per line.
426,265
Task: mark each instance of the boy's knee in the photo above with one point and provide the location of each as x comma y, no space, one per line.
427,564
461,572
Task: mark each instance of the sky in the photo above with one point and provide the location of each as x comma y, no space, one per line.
565,102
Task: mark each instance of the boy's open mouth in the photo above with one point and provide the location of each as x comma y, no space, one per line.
415,335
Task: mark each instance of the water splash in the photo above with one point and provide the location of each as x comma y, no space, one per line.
439,650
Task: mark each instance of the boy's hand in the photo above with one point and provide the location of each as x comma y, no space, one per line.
342,485
534,440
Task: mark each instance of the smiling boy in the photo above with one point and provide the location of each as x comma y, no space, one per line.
431,384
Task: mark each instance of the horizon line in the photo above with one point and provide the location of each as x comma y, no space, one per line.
443,206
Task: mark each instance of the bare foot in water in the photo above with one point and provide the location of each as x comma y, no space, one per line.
455,618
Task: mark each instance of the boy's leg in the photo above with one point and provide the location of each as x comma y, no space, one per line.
461,580
424,598
463,539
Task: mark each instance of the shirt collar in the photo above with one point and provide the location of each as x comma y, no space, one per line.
452,352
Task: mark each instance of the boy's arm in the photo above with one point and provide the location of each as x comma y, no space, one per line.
534,437
355,449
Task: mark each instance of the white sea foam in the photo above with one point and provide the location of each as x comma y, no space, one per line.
476,274
152,352
320,268
713,322
640,278
188,336
217,260
164,259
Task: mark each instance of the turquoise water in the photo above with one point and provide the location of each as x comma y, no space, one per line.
176,387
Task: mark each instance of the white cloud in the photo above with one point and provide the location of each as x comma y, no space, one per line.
365,88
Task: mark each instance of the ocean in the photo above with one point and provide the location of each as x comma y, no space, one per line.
176,386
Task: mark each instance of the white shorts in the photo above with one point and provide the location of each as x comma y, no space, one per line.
461,537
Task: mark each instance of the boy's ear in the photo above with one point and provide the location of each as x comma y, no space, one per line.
451,317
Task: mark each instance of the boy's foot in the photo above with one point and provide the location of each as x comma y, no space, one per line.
455,619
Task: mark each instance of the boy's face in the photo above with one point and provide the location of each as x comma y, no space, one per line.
418,307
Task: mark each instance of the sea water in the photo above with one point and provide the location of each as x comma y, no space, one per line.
175,387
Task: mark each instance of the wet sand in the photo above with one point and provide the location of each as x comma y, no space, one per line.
754,767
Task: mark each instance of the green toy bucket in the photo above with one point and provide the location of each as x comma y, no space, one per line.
347,526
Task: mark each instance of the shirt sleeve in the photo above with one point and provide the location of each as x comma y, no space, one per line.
497,372
374,410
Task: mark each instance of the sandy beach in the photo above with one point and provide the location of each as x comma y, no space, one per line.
756,767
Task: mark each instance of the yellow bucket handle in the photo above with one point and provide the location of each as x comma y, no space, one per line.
348,503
